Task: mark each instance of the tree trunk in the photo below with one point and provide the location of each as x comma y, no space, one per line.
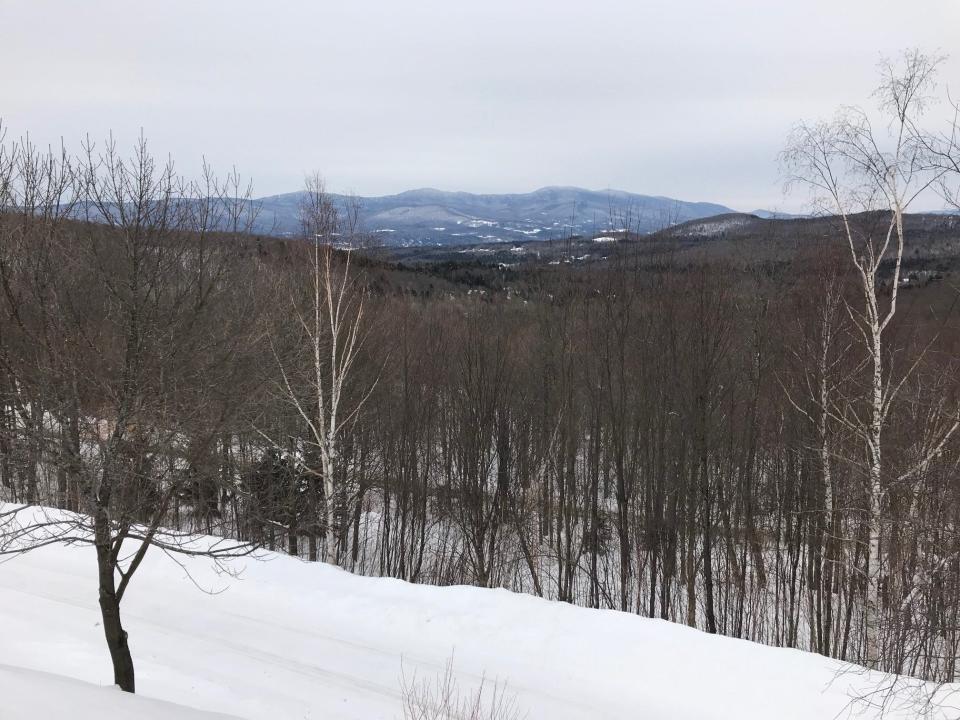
330,536
875,557
116,636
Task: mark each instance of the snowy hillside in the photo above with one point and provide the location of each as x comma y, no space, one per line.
288,639
29,695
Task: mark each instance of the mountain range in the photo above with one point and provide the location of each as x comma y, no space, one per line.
431,217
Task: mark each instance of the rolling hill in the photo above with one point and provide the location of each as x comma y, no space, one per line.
430,216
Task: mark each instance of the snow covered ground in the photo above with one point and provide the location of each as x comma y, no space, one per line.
287,639
31,695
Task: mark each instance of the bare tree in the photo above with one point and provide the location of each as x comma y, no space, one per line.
138,337
851,168
332,324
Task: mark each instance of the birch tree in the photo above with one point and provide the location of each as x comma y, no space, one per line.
332,331
869,178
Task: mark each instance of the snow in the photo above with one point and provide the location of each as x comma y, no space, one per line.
29,695
289,639
715,226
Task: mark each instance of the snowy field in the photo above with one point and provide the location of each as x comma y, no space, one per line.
288,639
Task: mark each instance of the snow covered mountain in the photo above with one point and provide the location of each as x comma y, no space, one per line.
288,639
430,216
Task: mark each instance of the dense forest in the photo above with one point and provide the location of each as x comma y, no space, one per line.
694,436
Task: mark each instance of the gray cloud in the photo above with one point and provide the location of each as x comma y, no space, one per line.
686,99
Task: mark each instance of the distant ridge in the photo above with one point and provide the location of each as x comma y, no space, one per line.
776,215
430,216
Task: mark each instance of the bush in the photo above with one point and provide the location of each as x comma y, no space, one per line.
441,698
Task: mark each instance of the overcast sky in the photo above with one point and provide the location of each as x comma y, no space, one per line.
687,99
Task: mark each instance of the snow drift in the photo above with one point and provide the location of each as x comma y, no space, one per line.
288,639
29,695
